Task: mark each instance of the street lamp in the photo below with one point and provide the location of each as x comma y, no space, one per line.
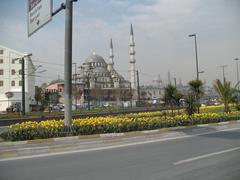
236,59
223,71
88,76
23,81
195,38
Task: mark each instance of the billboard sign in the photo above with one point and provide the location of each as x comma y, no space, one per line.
39,13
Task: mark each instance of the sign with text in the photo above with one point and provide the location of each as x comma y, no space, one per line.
39,13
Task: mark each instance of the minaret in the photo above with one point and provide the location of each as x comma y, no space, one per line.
111,56
132,60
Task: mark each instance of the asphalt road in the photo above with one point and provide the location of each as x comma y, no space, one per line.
214,156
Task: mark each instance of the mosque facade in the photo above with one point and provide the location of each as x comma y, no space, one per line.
99,82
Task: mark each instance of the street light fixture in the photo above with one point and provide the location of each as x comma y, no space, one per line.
195,38
236,59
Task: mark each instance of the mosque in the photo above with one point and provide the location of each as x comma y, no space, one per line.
100,83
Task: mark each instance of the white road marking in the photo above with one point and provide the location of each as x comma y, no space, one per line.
223,123
150,131
112,135
202,125
206,155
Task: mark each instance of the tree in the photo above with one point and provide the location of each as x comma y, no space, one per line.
225,92
196,88
177,97
38,94
77,93
169,95
191,104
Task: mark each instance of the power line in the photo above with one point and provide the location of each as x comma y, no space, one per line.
35,61
48,63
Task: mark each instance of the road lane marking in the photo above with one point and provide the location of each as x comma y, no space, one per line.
206,155
223,123
113,146
150,131
202,125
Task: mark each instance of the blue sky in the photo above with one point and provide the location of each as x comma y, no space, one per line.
161,30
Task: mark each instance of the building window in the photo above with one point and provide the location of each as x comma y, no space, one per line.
1,61
1,83
13,83
20,83
13,72
1,51
20,72
13,61
20,61
1,71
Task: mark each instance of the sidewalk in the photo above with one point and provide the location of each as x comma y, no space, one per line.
57,146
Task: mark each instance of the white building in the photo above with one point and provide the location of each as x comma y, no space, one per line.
11,79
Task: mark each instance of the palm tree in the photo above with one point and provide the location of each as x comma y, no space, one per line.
225,92
196,88
169,95
177,97
191,104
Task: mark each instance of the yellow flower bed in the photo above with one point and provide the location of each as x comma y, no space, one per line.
95,125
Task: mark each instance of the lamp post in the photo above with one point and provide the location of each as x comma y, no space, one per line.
195,38
138,89
87,77
223,71
75,81
236,59
23,80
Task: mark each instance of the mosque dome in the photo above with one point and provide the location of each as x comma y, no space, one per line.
94,58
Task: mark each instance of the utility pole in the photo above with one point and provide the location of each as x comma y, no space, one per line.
175,82
23,80
236,59
23,86
195,39
68,65
223,67
138,88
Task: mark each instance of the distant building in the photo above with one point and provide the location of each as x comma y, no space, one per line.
58,88
151,93
102,81
11,79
